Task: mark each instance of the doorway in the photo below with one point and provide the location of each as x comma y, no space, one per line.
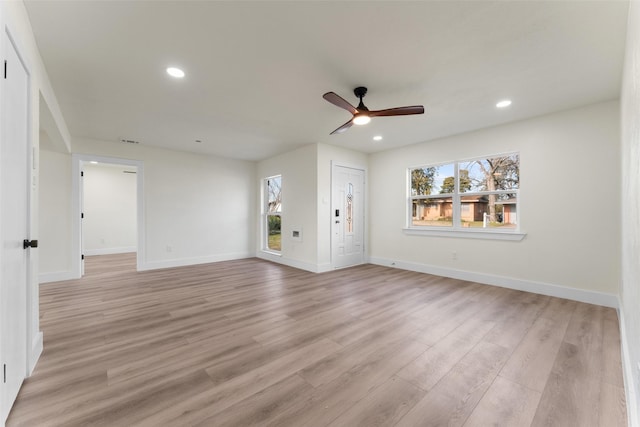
347,216
108,200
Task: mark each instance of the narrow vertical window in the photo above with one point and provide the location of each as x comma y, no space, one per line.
273,213
350,208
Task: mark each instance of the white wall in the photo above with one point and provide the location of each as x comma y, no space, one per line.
54,239
299,182
569,204
306,201
630,214
109,200
197,208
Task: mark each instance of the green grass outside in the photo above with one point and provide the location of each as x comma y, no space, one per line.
275,242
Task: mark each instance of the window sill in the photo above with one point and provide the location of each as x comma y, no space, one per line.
467,234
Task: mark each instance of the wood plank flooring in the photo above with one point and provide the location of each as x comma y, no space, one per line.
249,342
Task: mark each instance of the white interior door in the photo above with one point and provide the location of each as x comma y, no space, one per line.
347,216
81,195
14,217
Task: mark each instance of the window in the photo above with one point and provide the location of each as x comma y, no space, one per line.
273,213
479,194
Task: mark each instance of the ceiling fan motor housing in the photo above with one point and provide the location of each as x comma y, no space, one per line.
360,92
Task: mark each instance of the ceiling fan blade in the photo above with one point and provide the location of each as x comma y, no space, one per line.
398,111
343,127
339,102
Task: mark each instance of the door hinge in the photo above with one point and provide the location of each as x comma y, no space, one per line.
5,68
82,173
82,215
82,257
4,369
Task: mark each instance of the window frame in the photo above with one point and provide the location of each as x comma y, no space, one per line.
456,229
266,213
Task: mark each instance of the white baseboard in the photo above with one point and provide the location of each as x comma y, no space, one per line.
56,277
35,352
182,262
279,259
323,268
590,297
630,386
110,251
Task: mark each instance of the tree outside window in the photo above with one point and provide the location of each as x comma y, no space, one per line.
273,213
480,193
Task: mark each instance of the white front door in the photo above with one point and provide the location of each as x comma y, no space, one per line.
14,217
347,216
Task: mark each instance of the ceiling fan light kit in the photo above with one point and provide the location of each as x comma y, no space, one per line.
361,114
361,119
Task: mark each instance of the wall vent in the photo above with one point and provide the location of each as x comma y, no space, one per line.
129,141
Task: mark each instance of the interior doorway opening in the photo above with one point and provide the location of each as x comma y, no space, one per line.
108,202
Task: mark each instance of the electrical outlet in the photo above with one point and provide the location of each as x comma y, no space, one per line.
454,255
393,263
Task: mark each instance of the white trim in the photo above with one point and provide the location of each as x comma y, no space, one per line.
110,251
270,252
581,295
628,372
37,346
348,165
278,259
467,234
76,243
58,276
183,262
324,267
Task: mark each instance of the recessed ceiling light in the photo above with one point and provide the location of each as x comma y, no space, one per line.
377,138
175,72
504,103
93,162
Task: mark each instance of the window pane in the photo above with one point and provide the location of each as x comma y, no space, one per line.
435,212
489,211
274,194
274,235
432,180
496,173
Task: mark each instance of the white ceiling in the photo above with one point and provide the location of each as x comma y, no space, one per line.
256,71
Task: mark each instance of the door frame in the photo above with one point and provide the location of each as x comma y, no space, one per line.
77,162
365,211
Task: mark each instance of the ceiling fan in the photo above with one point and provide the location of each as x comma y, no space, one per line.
361,114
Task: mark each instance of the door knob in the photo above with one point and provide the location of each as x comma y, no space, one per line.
29,243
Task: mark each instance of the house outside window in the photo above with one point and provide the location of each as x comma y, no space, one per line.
273,213
479,194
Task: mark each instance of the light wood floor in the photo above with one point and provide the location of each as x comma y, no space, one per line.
249,342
